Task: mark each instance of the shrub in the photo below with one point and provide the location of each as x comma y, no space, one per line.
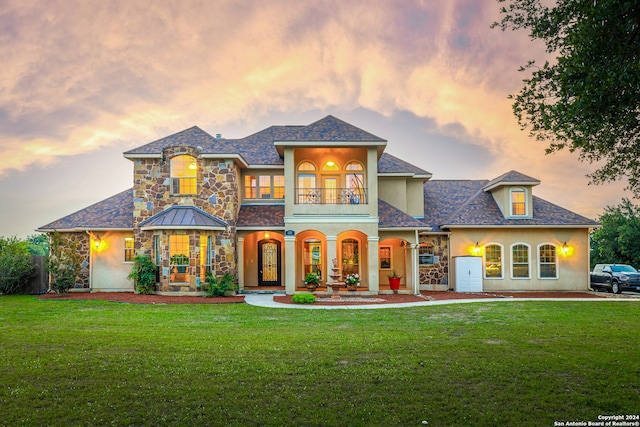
304,298
143,274
217,286
64,263
15,265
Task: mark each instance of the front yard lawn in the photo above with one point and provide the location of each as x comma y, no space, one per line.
485,364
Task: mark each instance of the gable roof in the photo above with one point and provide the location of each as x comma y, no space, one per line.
113,213
511,178
183,217
453,204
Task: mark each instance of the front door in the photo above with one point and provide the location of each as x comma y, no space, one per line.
269,263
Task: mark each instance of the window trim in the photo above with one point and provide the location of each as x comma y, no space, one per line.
524,202
528,246
131,251
175,177
484,258
390,257
431,255
555,247
258,191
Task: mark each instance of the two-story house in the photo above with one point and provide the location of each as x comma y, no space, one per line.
288,200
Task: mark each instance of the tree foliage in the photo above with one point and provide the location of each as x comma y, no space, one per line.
587,100
618,240
38,244
16,267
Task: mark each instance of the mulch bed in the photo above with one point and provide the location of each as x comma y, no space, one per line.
443,295
132,298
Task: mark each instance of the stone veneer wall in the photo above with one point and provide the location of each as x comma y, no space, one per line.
438,273
217,194
83,242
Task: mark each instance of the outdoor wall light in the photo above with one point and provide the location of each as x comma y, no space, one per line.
97,242
267,235
565,249
476,248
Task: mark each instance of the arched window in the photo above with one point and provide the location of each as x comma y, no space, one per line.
183,174
307,191
330,166
518,201
520,261
493,261
548,268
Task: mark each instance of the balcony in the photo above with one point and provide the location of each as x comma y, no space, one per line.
331,196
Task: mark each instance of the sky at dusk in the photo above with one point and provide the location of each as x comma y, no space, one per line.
83,81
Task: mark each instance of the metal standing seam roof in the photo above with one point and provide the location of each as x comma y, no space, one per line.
183,217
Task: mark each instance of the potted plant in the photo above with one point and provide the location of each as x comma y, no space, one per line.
394,281
311,281
353,281
180,261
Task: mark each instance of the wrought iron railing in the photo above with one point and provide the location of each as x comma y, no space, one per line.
331,196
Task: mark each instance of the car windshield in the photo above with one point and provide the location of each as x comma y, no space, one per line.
623,268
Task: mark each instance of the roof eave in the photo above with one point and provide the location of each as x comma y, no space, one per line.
511,183
182,227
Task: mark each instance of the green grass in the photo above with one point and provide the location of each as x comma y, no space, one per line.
486,364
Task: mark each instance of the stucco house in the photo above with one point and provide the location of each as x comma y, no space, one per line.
273,206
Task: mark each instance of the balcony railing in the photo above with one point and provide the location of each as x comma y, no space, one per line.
331,196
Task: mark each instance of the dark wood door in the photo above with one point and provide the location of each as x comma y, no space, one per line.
269,263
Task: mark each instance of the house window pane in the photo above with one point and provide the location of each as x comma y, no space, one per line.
548,263
425,254
179,256
307,191
385,257
250,187
330,166
518,206
205,257
306,166
520,261
183,174
350,257
264,184
128,249
313,257
156,250
278,186
493,261
354,166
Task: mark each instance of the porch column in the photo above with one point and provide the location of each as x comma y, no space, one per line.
290,264
374,278
241,263
415,268
332,252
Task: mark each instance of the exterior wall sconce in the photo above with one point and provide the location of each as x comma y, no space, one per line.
267,235
97,242
476,249
565,249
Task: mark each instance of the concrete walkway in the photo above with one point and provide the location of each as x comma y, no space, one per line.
266,300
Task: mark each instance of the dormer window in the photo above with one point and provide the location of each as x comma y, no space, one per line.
183,174
518,201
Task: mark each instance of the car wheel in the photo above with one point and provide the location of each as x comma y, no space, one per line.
615,288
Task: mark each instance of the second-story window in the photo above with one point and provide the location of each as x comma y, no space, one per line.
183,174
518,201
307,191
264,187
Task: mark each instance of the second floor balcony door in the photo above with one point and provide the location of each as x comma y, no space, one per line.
330,184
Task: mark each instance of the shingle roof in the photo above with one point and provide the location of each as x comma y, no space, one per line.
510,178
392,217
465,203
115,212
261,216
330,128
183,217
392,164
